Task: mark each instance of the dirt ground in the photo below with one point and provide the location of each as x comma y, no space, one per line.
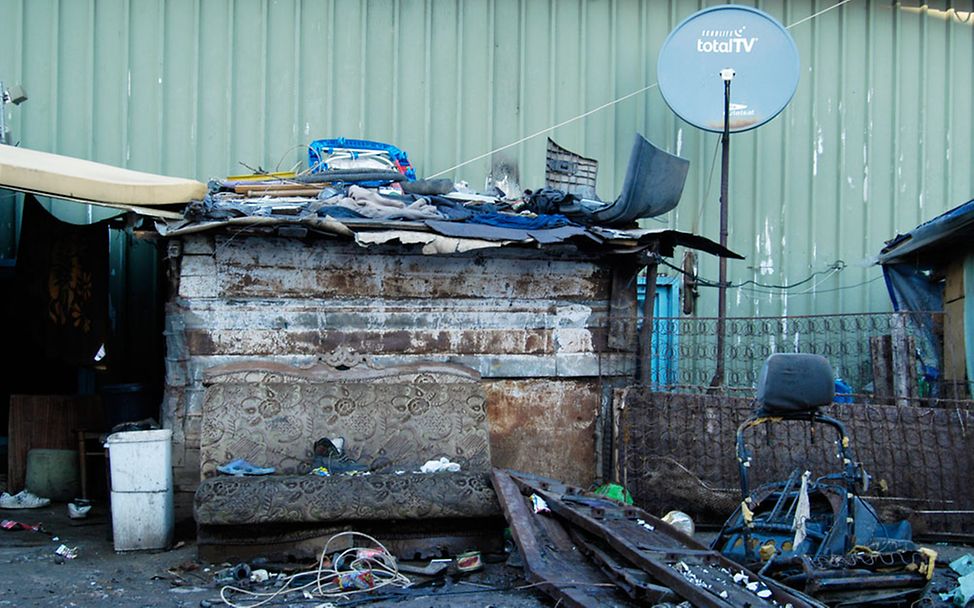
31,574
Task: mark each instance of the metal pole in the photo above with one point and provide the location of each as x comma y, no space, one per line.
3,112
646,331
718,379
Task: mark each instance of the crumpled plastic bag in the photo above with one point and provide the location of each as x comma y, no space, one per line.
437,466
964,592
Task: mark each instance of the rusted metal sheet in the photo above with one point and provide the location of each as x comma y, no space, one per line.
696,573
623,306
676,451
416,342
251,267
544,426
634,582
550,559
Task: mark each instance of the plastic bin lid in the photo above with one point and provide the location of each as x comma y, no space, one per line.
140,436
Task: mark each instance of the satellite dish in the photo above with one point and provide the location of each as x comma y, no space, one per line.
752,43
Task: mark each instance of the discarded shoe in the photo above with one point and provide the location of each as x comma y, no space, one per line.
329,454
22,500
241,467
79,508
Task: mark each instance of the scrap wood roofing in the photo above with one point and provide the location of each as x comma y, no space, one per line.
449,219
454,222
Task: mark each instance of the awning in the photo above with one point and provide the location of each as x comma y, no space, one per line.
94,183
936,236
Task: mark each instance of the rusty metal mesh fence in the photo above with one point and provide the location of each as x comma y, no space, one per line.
677,451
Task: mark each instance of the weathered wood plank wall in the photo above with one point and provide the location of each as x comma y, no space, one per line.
533,324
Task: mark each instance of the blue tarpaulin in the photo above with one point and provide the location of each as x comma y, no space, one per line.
909,265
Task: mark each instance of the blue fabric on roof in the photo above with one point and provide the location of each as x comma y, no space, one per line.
523,222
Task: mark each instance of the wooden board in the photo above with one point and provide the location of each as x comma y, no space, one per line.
955,354
550,559
954,281
46,421
690,569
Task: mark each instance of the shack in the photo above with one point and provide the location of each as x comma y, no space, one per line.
931,269
550,326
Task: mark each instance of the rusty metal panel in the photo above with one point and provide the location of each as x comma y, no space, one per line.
677,451
251,267
544,426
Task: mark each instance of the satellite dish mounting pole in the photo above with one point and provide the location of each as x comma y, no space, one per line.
726,75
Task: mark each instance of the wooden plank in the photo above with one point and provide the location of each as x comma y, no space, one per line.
954,281
955,356
905,388
667,555
46,421
880,350
560,570
261,188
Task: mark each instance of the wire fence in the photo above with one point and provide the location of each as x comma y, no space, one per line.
677,451
685,352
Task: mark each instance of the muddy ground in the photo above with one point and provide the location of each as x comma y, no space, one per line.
31,574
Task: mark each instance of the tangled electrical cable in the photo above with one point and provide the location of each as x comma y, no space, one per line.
354,570
833,268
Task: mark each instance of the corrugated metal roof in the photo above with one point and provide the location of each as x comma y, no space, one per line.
879,136
936,236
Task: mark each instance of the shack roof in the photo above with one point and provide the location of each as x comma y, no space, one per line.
438,237
183,206
934,240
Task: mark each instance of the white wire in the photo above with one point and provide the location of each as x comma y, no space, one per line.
594,110
543,131
814,15
381,567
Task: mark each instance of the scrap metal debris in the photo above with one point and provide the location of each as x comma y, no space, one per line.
551,560
817,534
636,554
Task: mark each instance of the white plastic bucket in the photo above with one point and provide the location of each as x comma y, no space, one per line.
141,471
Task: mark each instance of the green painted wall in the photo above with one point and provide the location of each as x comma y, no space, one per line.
878,138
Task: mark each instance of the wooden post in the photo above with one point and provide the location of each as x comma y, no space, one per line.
903,362
880,348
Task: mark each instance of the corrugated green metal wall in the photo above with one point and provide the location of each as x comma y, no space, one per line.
878,138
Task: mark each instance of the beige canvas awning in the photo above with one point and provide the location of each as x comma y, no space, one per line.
85,181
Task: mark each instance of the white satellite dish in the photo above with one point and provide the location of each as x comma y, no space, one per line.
758,48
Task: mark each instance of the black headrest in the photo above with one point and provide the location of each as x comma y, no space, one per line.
792,383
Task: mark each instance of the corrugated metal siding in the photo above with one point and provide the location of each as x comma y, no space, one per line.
878,138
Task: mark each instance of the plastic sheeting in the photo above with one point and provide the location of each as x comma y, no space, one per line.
912,290
908,261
